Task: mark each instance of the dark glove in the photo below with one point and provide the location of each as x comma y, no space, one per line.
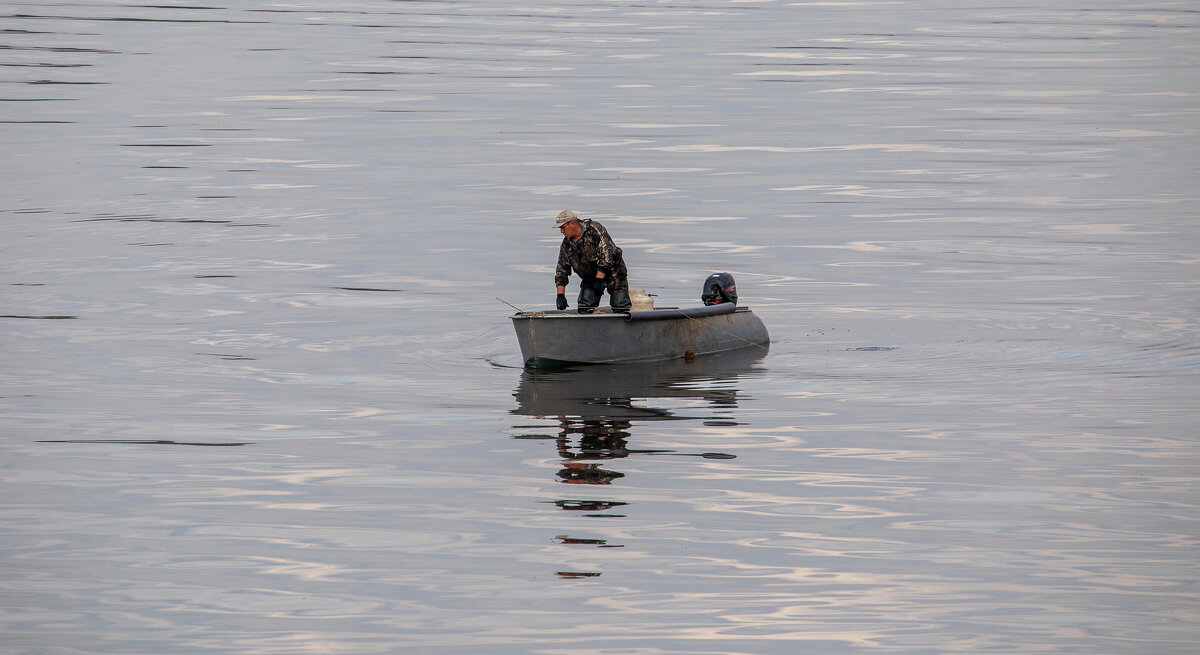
597,285
561,301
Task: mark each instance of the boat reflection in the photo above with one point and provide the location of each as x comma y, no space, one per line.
598,407
595,412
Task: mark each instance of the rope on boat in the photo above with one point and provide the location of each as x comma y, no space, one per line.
735,336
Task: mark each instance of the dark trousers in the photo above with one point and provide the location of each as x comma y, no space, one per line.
618,296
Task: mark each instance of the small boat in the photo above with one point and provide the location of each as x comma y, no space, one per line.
557,338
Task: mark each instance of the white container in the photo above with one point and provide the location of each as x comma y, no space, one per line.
642,302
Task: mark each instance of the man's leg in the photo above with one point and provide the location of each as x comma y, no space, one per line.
618,295
589,299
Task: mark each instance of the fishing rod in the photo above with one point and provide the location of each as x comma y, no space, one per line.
511,305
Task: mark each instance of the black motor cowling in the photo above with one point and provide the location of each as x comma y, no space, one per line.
719,288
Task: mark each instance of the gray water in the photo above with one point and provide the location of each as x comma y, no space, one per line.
261,394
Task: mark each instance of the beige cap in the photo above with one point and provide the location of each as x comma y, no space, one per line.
565,216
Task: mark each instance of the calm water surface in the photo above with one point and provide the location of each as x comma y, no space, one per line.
260,395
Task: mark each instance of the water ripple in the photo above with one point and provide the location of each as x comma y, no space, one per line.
261,398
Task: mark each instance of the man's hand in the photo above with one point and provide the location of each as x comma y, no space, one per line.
561,301
598,285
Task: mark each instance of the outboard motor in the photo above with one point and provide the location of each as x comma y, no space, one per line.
719,288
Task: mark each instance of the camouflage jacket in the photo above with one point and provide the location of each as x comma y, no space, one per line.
594,251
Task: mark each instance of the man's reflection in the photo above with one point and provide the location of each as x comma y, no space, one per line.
581,442
598,406
591,506
596,409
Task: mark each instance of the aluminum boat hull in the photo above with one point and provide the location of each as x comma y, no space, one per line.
556,338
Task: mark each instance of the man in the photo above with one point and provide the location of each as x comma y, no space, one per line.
588,250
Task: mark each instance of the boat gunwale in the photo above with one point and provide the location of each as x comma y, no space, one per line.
668,313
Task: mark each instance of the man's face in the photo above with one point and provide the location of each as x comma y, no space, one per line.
571,230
